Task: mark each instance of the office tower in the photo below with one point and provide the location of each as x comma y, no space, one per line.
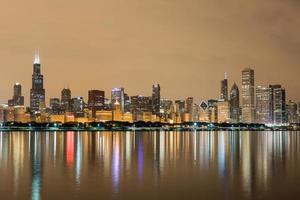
166,108
139,105
189,105
117,114
180,107
248,106
264,105
224,89
17,99
117,95
223,112
203,112
279,107
291,112
77,106
156,99
96,101
126,103
66,99
37,92
234,104
213,110
55,106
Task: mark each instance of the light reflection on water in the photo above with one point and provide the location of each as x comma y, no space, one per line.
149,165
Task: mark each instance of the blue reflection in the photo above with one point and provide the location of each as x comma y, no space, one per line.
116,164
36,169
140,157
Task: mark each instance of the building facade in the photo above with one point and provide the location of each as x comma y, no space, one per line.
248,97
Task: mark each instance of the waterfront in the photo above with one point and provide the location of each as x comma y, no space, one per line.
149,165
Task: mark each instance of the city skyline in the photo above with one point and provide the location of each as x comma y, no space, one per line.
183,46
229,83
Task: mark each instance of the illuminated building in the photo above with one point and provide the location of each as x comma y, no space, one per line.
186,117
291,111
117,113
20,114
127,117
77,106
213,110
263,105
204,112
223,112
96,101
147,116
126,103
224,89
189,107
248,106
166,108
117,95
279,107
37,92
66,99
57,118
18,99
156,99
180,106
234,104
104,115
55,106
69,117
140,104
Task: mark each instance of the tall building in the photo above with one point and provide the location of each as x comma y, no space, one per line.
180,107
55,106
96,101
224,89
117,95
264,105
77,106
248,105
223,112
66,99
126,103
189,105
279,107
139,105
156,99
37,92
291,112
17,99
235,104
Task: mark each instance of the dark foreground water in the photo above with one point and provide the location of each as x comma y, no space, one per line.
150,165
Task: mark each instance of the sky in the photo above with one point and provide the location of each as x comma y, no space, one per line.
185,46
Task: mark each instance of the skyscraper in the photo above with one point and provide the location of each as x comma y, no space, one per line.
264,105
17,99
156,99
37,92
117,95
96,101
235,104
248,106
279,107
66,99
189,107
55,106
291,112
77,106
224,89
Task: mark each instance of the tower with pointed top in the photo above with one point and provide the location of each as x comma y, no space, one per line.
224,89
37,92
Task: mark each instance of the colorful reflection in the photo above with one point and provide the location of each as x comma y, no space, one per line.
63,165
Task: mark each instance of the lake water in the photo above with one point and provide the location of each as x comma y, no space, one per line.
149,165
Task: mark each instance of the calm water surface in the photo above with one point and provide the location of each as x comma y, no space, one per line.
149,165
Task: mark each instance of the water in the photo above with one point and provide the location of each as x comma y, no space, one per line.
149,165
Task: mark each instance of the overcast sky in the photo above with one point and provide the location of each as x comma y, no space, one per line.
185,45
